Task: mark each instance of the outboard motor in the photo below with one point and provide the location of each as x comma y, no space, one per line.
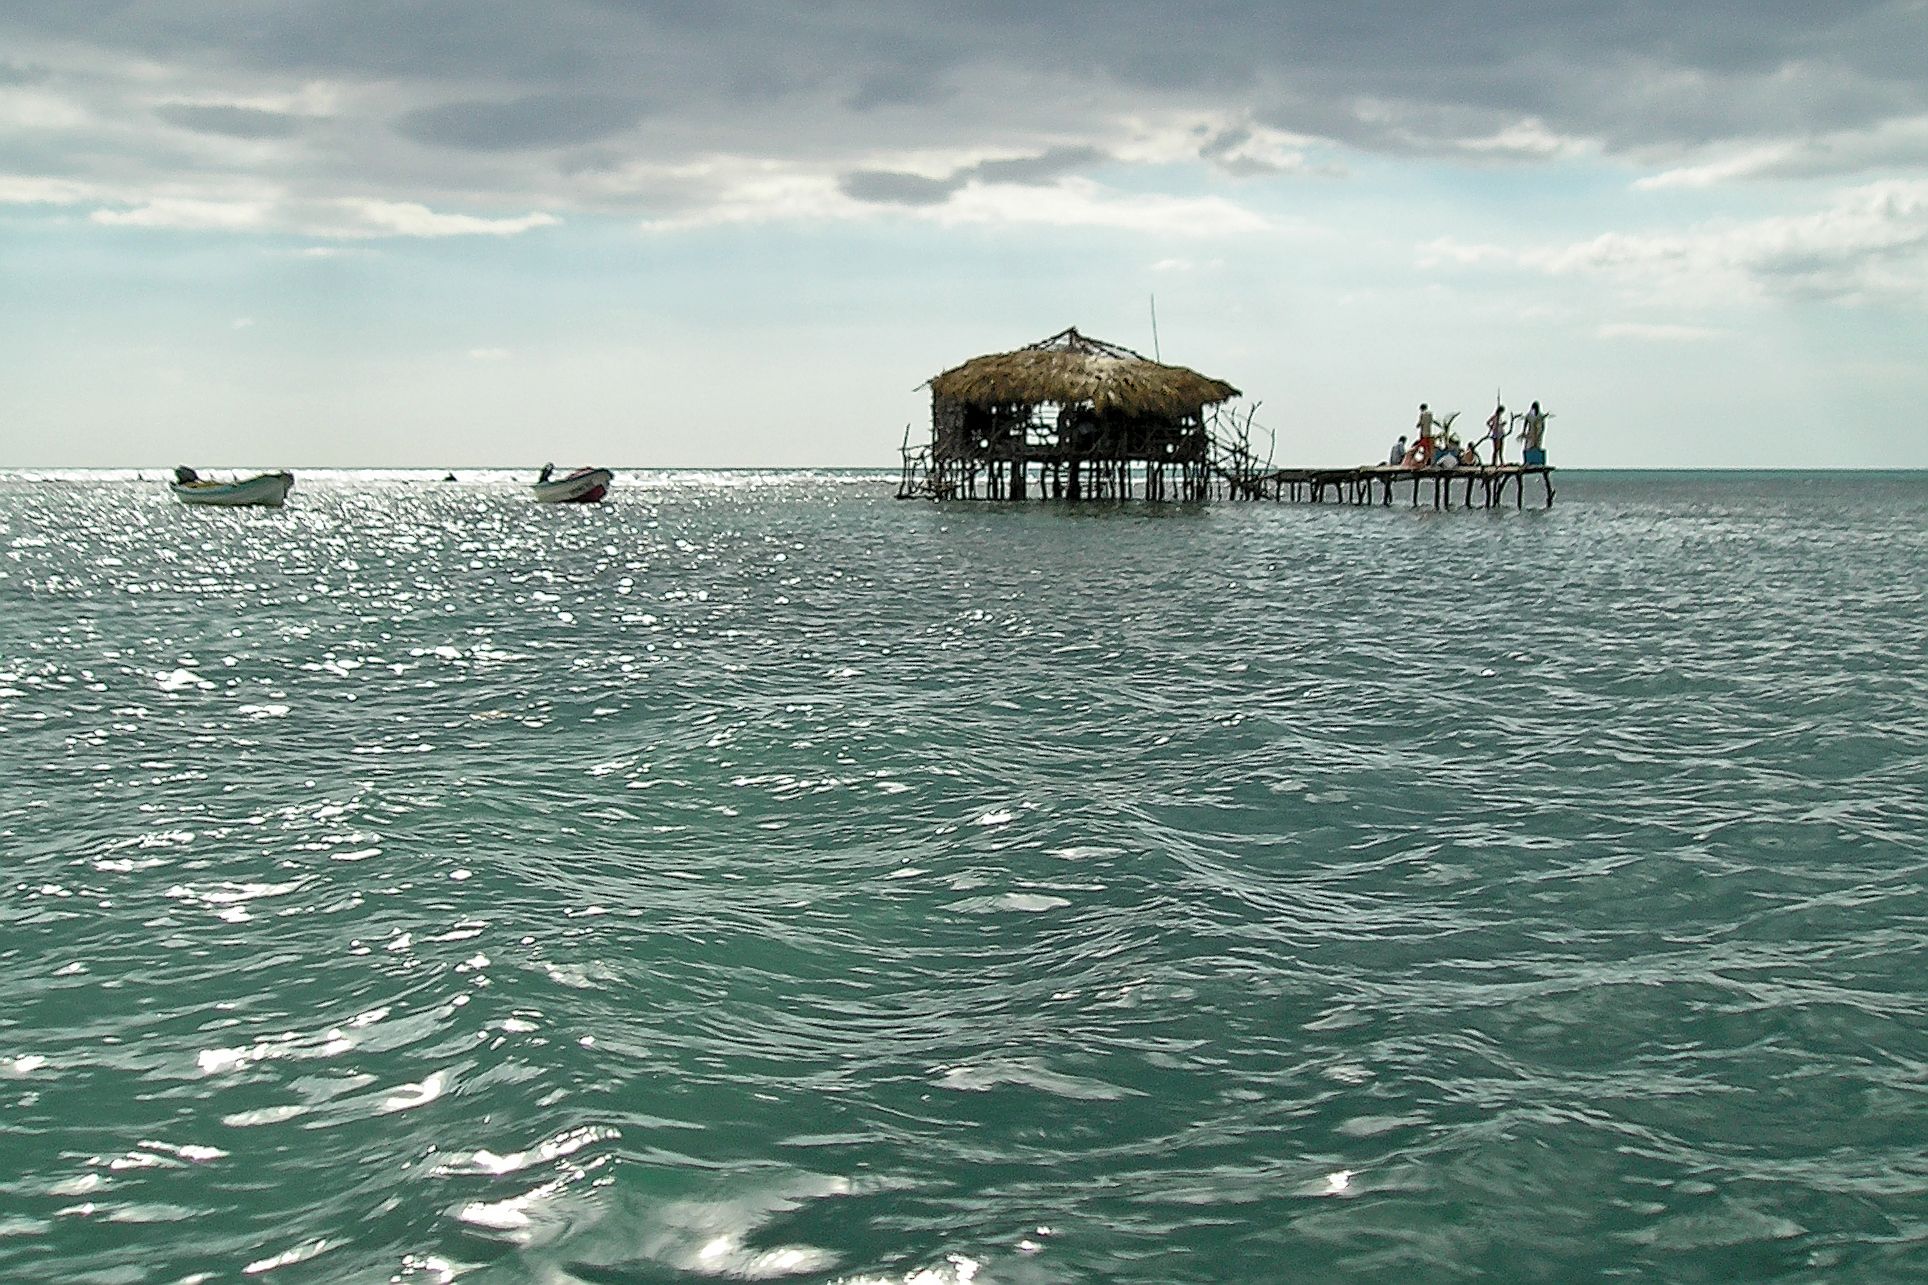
547,469
185,475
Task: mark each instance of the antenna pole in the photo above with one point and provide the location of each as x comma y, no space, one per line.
1155,356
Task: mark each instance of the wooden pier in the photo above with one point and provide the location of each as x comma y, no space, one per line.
1076,418
1483,486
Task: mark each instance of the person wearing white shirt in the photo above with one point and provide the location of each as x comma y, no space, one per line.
1534,438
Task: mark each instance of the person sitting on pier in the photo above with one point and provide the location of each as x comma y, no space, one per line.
1398,452
1496,434
1448,455
1469,454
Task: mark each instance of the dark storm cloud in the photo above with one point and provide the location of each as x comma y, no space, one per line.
1042,168
1638,72
894,88
1222,148
894,187
539,120
483,98
234,122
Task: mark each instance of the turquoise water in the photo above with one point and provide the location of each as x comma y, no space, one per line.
756,877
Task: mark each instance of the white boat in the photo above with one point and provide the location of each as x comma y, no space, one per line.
263,488
584,486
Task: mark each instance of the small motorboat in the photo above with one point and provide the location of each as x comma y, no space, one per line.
584,486
263,488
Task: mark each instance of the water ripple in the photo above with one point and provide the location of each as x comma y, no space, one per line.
754,878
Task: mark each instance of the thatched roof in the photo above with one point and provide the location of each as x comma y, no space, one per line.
1070,369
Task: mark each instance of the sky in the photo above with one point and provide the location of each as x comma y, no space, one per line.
445,233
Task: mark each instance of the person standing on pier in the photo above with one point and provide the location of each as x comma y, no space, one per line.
1533,438
1496,434
1424,446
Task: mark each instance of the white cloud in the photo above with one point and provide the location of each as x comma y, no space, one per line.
746,192
1082,203
410,218
736,191
26,190
314,98
1657,331
38,109
1529,139
489,354
1869,245
189,214
1749,163
1896,145
1446,252
349,219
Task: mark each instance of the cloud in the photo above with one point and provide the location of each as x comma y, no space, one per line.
1900,144
895,187
899,187
1526,139
230,120
188,214
748,193
1246,150
1041,168
498,106
44,191
408,218
1657,331
1083,204
895,87
534,121
1868,245
350,218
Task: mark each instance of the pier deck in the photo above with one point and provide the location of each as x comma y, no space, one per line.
1375,483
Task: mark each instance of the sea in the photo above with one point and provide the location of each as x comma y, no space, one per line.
756,877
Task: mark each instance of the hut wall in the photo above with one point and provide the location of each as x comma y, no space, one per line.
1047,431
950,434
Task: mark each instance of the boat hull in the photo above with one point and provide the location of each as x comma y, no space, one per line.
584,486
269,489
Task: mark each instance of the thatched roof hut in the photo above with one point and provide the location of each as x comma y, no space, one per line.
1070,417
1071,369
